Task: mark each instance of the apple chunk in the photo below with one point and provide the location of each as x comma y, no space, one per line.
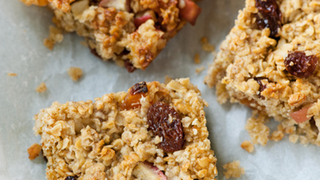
121,5
190,11
78,7
146,171
301,115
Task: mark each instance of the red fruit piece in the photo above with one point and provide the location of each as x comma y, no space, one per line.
140,20
146,171
164,121
190,12
301,115
132,100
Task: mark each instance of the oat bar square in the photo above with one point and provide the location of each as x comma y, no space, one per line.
130,32
153,131
269,62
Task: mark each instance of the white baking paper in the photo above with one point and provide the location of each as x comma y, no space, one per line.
22,30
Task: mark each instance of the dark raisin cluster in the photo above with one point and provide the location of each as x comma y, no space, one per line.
300,65
269,16
164,121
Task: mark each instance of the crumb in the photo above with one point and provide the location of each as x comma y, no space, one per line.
167,79
35,2
197,59
55,35
248,146
11,74
233,170
258,131
277,135
84,43
75,73
206,46
204,40
42,88
34,151
200,69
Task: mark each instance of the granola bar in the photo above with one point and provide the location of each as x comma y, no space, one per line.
269,62
153,131
130,32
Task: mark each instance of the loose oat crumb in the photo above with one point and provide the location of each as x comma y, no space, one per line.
197,59
233,170
55,36
35,2
206,46
34,151
204,40
248,146
75,73
42,88
277,135
11,74
200,69
258,131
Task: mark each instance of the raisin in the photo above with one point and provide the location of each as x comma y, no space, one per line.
164,121
269,16
70,178
95,53
313,125
129,66
262,86
300,65
132,100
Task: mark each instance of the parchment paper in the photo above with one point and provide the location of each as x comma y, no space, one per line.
22,30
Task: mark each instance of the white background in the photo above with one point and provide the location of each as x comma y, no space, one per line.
22,30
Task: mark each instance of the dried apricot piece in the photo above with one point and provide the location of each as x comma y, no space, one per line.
164,121
132,100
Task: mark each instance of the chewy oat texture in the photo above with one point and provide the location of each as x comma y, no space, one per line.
155,130
130,32
269,62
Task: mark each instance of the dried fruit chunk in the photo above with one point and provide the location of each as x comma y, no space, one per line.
190,12
121,5
164,121
71,178
146,171
129,66
300,65
261,86
269,16
301,115
132,100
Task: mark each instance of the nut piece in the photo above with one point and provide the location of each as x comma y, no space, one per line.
75,73
146,171
120,5
233,170
42,88
34,151
164,121
246,145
